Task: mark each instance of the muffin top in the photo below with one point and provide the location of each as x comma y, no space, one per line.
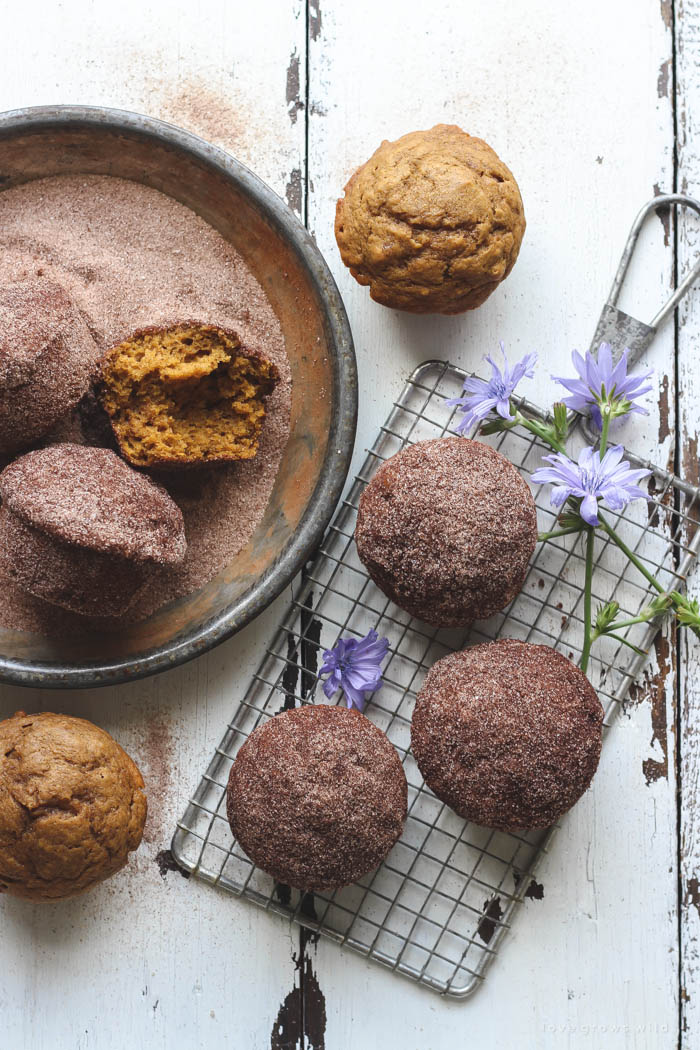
72,806
432,222
446,529
317,796
47,356
508,734
90,498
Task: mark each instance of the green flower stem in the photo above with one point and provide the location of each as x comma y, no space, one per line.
538,429
605,414
630,554
546,433
620,625
587,637
630,645
542,536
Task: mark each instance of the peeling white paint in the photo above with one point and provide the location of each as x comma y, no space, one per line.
568,95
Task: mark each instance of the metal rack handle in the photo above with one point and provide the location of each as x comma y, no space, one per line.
620,329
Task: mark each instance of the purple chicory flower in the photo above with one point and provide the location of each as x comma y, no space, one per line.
354,665
610,480
601,383
482,396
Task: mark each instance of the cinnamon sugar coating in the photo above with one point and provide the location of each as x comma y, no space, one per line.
446,529
81,529
508,734
130,257
91,498
317,797
72,806
47,357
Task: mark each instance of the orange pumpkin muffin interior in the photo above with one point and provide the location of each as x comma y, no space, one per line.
185,394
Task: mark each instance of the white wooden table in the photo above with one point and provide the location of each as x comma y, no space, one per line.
593,107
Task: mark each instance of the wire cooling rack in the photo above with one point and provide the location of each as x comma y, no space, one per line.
438,907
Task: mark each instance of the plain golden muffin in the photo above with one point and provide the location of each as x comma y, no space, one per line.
72,806
432,222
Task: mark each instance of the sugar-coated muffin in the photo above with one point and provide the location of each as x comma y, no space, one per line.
72,806
81,529
47,358
184,395
446,529
508,734
432,222
317,797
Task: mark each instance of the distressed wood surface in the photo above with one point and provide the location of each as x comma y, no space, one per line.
687,19
586,965
582,105
149,960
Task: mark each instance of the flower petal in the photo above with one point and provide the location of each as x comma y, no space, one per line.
559,495
474,385
618,375
579,364
523,369
546,476
495,370
355,697
589,509
330,688
605,364
611,459
466,423
329,664
574,386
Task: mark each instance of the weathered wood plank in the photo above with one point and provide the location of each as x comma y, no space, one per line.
687,28
577,102
151,960
235,76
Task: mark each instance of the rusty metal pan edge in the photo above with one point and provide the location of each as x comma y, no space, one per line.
343,422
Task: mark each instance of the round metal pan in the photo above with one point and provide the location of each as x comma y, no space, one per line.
55,140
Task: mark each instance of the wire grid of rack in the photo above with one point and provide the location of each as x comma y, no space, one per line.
438,907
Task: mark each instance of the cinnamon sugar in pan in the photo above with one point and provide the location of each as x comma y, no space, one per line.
130,257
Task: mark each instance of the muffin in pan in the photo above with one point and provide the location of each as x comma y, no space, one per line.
47,360
185,394
80,529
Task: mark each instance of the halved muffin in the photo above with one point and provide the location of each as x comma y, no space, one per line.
185,394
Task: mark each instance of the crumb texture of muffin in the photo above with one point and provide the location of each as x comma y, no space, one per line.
83,530
507,733
47,359
72,806
185,394
432,222
317,797
446,529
